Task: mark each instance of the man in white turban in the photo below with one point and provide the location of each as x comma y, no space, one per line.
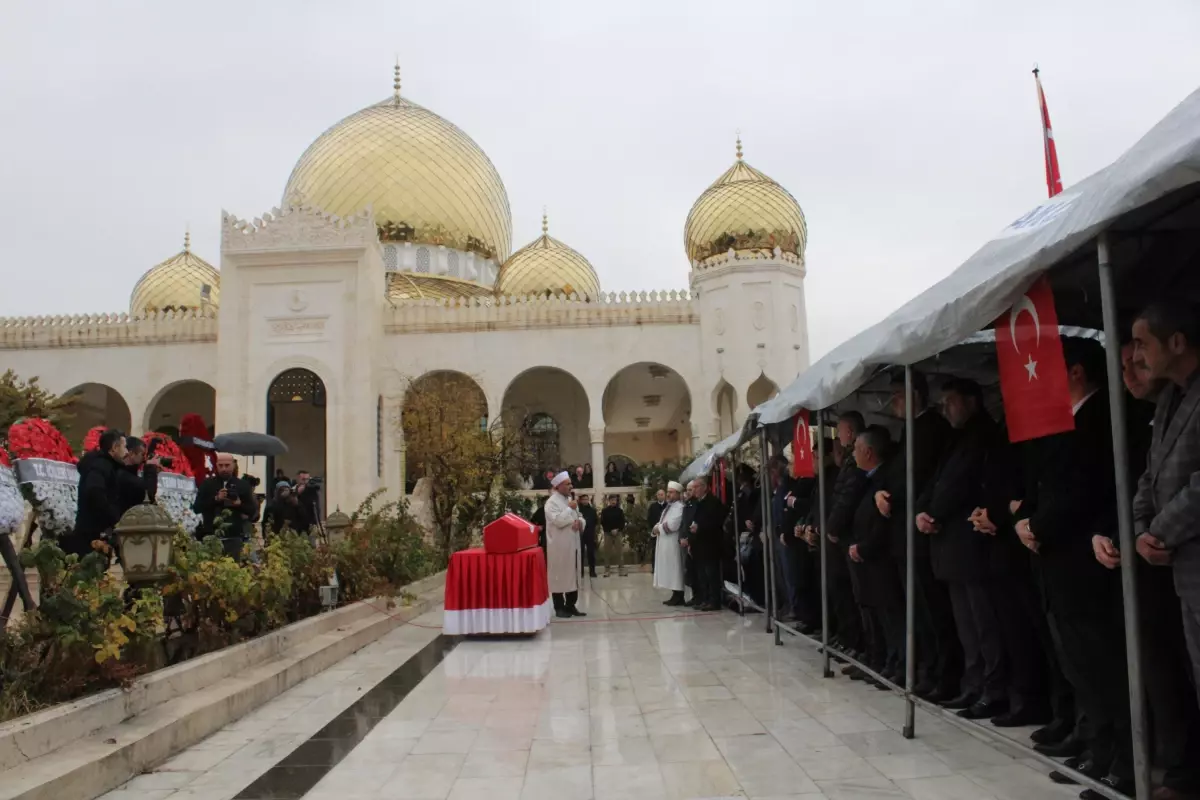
563,525
668,555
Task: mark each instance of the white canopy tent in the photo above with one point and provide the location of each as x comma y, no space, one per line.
1163,166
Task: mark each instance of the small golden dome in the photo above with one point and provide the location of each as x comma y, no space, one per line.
183,281
744,210
547,266
425,179
415,286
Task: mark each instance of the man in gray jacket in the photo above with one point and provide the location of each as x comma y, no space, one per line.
1166,509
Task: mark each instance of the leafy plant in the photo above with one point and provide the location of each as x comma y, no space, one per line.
21,398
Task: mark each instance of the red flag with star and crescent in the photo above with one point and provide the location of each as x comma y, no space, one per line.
1033,371
802,453
1053,176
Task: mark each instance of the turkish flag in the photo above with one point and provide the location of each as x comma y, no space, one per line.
1033,372
802,452
1049,149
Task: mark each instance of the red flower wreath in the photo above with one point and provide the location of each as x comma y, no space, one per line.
36,438
192,426
4,462
166,447
92,440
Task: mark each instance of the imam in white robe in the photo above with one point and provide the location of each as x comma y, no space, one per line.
562,545
668,555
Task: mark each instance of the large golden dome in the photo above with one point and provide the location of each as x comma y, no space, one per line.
547,266
425,179
183,281
744,210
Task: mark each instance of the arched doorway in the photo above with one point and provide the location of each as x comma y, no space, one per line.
95,404
545,402
725,406
648,414
436,405
296,414
177,400
762,390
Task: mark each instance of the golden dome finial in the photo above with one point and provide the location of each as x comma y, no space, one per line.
187,239
739,145
545,222
396,80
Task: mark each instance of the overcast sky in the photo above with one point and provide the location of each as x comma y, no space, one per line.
908,131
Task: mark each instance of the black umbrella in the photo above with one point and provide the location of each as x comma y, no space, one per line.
247,443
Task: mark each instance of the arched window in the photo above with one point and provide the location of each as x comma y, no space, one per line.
541,431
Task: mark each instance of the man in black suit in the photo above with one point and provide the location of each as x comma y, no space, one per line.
960,554
703,540
878,584
1070,496
939,654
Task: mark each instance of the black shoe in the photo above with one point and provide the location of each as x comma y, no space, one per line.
1055,732
575,612
1123,785
1020,717
594,575
856,674
1068,747
561,613
964,700
1079,764
925,690
942,694
984,710
849,669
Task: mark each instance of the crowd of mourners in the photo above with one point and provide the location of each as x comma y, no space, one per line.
1019,615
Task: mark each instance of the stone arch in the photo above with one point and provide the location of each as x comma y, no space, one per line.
467,401
173,401
762,390
560,395
647,410
95,404
297,399
725,406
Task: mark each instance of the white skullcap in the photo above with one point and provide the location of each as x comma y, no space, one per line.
672,486
559,478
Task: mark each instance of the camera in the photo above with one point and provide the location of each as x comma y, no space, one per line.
166,461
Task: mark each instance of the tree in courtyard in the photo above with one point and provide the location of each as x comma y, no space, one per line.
19,398
464,456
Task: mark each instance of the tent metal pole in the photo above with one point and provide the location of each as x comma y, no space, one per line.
763,505
737,535
769,536
826,670
1124,486
910,637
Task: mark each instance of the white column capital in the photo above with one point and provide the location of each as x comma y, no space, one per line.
597,435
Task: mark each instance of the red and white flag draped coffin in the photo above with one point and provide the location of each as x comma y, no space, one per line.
509,534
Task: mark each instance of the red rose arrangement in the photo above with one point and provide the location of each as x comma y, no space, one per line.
92,440
36,438
165,446
4,461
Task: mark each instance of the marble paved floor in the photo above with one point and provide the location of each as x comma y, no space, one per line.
615,707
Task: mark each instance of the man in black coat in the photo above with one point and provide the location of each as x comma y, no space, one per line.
939,654
308,495
1069,496
878,584
226,492
848,490
689,561
959,554
750,549
587,536
138,477
703,540
99,506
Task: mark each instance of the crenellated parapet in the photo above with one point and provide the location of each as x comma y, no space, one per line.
541,311
108,330
748,257
297,227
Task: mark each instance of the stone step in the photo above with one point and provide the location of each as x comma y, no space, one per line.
53,764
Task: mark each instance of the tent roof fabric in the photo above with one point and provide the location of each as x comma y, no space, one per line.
1165,160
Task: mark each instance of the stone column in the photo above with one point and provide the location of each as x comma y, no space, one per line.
597,435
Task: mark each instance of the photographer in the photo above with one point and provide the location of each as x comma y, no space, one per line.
225,491
283,511
308,493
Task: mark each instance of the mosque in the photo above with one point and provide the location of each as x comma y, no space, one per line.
391,259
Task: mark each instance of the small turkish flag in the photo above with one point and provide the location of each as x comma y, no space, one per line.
802,453
1033,372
